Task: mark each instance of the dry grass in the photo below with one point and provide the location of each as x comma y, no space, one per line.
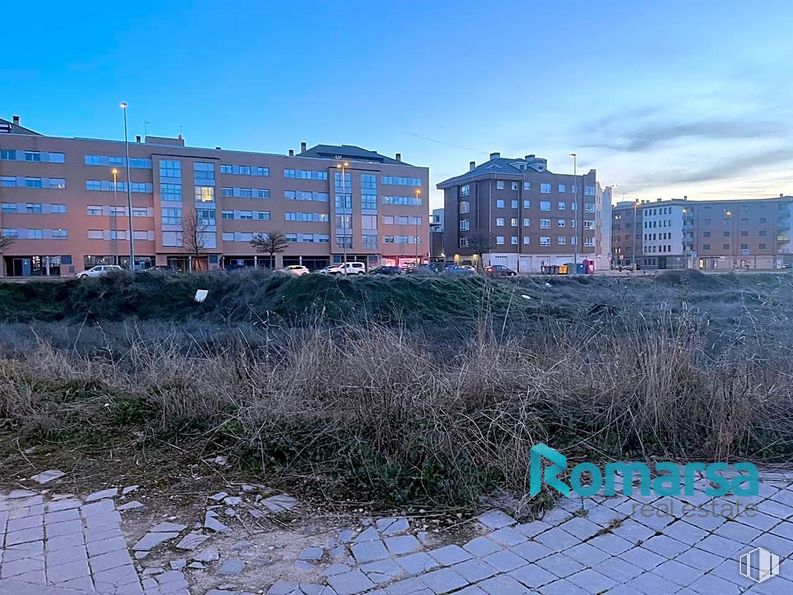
384,413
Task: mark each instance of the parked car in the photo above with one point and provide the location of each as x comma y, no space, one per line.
99,270
346,268
422,269
161,268
499,270
386,270
298,270
464,270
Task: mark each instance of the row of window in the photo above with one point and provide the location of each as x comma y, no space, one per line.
666,235
412,201
544,223
401,239
305,195
545,205
399,181
246,215
244,170
108,186
28,182
34,208
544,188
245,192
663,248
35,234
305,174
31,156
728,247
108,210
111,161
303,216
119,234
543,241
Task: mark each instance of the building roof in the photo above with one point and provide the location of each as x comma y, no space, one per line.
348,152
8,127
498,165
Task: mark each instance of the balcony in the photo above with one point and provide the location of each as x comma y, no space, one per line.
782,239
783,226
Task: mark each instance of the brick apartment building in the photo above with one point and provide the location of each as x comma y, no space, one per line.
707,235
59,203
517,213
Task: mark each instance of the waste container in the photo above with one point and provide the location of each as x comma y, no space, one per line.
563,269
580,268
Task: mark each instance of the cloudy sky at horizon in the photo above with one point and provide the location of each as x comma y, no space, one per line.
664,99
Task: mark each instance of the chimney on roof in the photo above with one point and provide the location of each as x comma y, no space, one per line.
16,120
398,156
137,138
303,147
472,166
529,157
495,155
217,148
291,152
658,199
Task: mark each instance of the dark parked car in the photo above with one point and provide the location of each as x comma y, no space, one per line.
422,269
499,270
161,268
454,269
386,270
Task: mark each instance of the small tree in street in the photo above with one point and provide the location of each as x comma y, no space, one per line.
5,242
479,242
193,236
271,243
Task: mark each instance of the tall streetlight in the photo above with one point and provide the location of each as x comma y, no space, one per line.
418,193
728,215
115,216
575,215
635,227
129,192
343,167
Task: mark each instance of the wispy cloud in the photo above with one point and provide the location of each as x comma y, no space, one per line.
649,136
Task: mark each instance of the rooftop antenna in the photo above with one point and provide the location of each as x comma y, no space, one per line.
181,131
146,128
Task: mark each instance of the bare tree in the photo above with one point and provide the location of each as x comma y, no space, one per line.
271,243
5,242
479,242
194,230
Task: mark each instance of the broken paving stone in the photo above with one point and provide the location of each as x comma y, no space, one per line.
215,525
232,566
178,564
303,565
129,490
255,513
141,555
369,534
130,506
196,566
167,528
391,526
280,503
248,488
152,540
191,541
153,571
241,545
232,500
20,494
101,495
311,553
219,496
230,512
47,476
208,555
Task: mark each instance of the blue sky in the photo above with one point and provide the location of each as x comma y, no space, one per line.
664,99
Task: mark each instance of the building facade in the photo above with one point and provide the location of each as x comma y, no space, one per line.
517,213
707,234
63,202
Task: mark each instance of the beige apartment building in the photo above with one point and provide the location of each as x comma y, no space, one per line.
703,234
66,210
515,212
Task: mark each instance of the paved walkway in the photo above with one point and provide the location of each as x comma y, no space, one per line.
619,545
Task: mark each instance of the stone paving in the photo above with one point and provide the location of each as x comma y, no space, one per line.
619,545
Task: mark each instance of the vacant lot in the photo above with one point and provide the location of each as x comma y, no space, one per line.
427,390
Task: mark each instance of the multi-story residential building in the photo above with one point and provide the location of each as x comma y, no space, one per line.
436,236
64,203
517,213
708,235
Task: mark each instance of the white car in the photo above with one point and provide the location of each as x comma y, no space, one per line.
99,270
346,268
297,270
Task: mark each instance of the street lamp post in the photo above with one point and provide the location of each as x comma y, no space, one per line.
343,167
635,227
416,239
129,192
114,219
575,215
